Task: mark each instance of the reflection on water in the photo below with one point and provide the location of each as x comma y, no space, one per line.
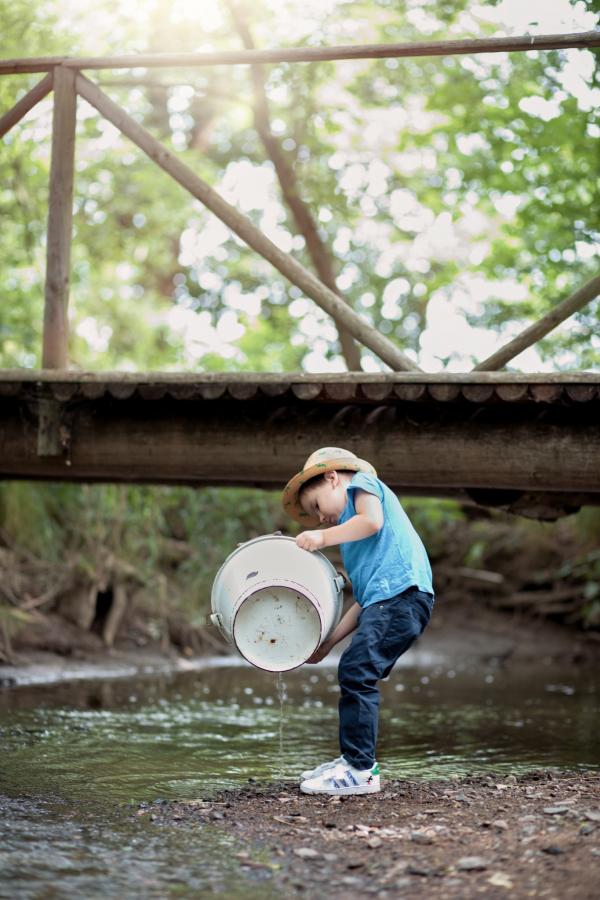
76,750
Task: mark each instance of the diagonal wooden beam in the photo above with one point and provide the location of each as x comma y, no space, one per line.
243,227
20,109
540,329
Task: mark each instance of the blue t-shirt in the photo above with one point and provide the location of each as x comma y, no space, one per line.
390,561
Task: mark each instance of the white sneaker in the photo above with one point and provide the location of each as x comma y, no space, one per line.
313,773
343,779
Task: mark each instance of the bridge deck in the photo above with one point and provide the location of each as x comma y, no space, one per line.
528,442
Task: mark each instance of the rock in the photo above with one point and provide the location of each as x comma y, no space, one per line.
330,857
587,829
500,823
420,837
374,842
510,779
591,815
472,863
418,869
554,850
500,879
556,810
306,853
213,814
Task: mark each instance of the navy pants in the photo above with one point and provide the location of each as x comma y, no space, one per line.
386,630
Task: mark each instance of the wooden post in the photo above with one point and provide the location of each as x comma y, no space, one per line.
58,258
542,327
243,227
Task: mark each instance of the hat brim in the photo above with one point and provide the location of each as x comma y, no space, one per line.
289,498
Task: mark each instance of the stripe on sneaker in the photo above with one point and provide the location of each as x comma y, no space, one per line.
351,777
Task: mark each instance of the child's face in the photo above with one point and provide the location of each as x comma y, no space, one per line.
327,501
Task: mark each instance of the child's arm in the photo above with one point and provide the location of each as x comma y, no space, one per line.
367,521
348,624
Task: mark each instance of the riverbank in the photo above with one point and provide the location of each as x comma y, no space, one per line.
528,836
466,630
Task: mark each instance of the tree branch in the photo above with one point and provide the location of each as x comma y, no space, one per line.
288,183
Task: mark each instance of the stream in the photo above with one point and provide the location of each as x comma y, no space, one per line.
77,759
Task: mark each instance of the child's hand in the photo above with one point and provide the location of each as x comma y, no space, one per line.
311,540
320,653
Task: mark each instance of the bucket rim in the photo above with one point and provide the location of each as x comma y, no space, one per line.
278,582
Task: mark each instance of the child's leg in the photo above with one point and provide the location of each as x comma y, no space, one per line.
385,631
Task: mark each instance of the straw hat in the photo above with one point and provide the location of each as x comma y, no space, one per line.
327,459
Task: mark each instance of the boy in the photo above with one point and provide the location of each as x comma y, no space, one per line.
391,579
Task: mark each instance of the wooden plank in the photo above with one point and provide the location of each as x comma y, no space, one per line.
213,444
60,218
152,391
10,388
508,44
581,393
243,391
183,391
64,391
275,390
243,227
341,393
306,391
546,393
278,378
25,104
511,393
92,390
544,326
377,392
121,391
444,393
411,392
48,434
211,391
477,393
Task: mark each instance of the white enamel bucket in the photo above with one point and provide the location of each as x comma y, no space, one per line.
275,602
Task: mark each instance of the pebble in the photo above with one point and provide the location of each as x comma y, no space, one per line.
306,853
418,869
420,837
554,850
591,815
556,810
500,823
587,829
510,779
472,863
374,842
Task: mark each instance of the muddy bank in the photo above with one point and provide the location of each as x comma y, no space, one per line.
515,837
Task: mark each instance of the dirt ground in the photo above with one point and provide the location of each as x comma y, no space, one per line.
512,837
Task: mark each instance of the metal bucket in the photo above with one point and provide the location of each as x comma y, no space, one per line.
275,602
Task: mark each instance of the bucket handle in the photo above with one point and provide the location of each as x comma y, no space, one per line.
214,619
340,582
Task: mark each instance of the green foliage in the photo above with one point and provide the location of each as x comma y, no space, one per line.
433,521
390,156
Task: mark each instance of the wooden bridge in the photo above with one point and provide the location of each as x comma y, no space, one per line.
525,442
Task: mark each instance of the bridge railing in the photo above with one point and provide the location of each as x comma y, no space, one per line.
65,79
